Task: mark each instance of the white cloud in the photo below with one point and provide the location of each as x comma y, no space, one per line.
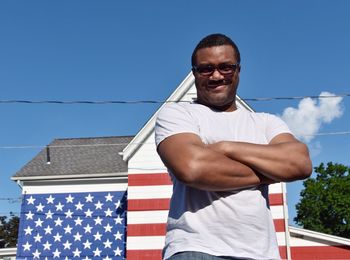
306,120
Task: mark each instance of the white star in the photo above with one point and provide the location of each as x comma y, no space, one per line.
88,213
98,205
48,230
67,229
108,212
108,228
57,237
36,254
118,251
107,243
76,252
109,197
97,236
97,252
28,230
31,200
87,244
67,245
68,214
69,199
118,236
79,206
77,236
59,206
40,207
118,220
118,204
58,222
87,228
50,199
37,238
107,258
26,246
49,214
39,223
56,253
78,221
89,198
98,221
29,215
47,246
86,258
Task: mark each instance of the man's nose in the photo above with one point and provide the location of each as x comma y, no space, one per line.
216,74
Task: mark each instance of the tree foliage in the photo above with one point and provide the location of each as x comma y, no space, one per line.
325,201
8,231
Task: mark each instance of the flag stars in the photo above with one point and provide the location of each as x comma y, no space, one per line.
28,230
108,212
108,228
107,243
58,222
89,198
98,205
118,236
78,221
68,214
30,200
87,228
36,254
40,207
118,220
98,220
69,199
59,206
29,215
67,245
118,204
50,199
109,197
38,238
68,230
87,244
118,252
56,253
48,229
77,237
49,214
97,252
76,253
39,223
26,246
97,236
57,237
88,213
47,246
79,206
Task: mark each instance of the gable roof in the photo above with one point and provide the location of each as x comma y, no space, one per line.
185,92
77,157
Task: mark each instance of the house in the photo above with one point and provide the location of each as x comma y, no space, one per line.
82,168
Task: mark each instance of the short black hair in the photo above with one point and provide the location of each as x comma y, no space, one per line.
212,40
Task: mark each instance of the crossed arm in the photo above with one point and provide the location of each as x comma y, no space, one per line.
228,165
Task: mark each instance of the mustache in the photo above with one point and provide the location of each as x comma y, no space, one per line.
219,82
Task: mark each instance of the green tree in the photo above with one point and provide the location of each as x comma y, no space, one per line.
8,231
325,201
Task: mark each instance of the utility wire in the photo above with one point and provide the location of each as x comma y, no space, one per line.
104,102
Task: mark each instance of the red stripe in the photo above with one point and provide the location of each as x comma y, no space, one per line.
148,204
149,179
158,229
320,252
276,199
283,252
144,254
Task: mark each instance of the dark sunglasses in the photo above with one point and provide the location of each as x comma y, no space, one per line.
223,68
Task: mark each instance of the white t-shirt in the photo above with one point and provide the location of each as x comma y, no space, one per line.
232,223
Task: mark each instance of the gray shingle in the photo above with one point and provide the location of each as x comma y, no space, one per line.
77,156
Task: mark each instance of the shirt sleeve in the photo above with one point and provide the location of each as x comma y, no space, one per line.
275,126
174,119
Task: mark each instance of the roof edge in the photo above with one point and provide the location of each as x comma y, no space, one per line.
72,176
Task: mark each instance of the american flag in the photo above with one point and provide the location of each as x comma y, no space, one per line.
86,225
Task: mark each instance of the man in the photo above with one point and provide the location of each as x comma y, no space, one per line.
221,160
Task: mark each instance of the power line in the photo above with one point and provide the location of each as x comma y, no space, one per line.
124,144
105,102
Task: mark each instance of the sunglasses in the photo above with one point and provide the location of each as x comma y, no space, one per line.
223,68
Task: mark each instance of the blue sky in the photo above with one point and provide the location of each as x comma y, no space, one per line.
140,50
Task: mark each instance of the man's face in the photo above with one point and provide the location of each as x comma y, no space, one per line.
217,90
